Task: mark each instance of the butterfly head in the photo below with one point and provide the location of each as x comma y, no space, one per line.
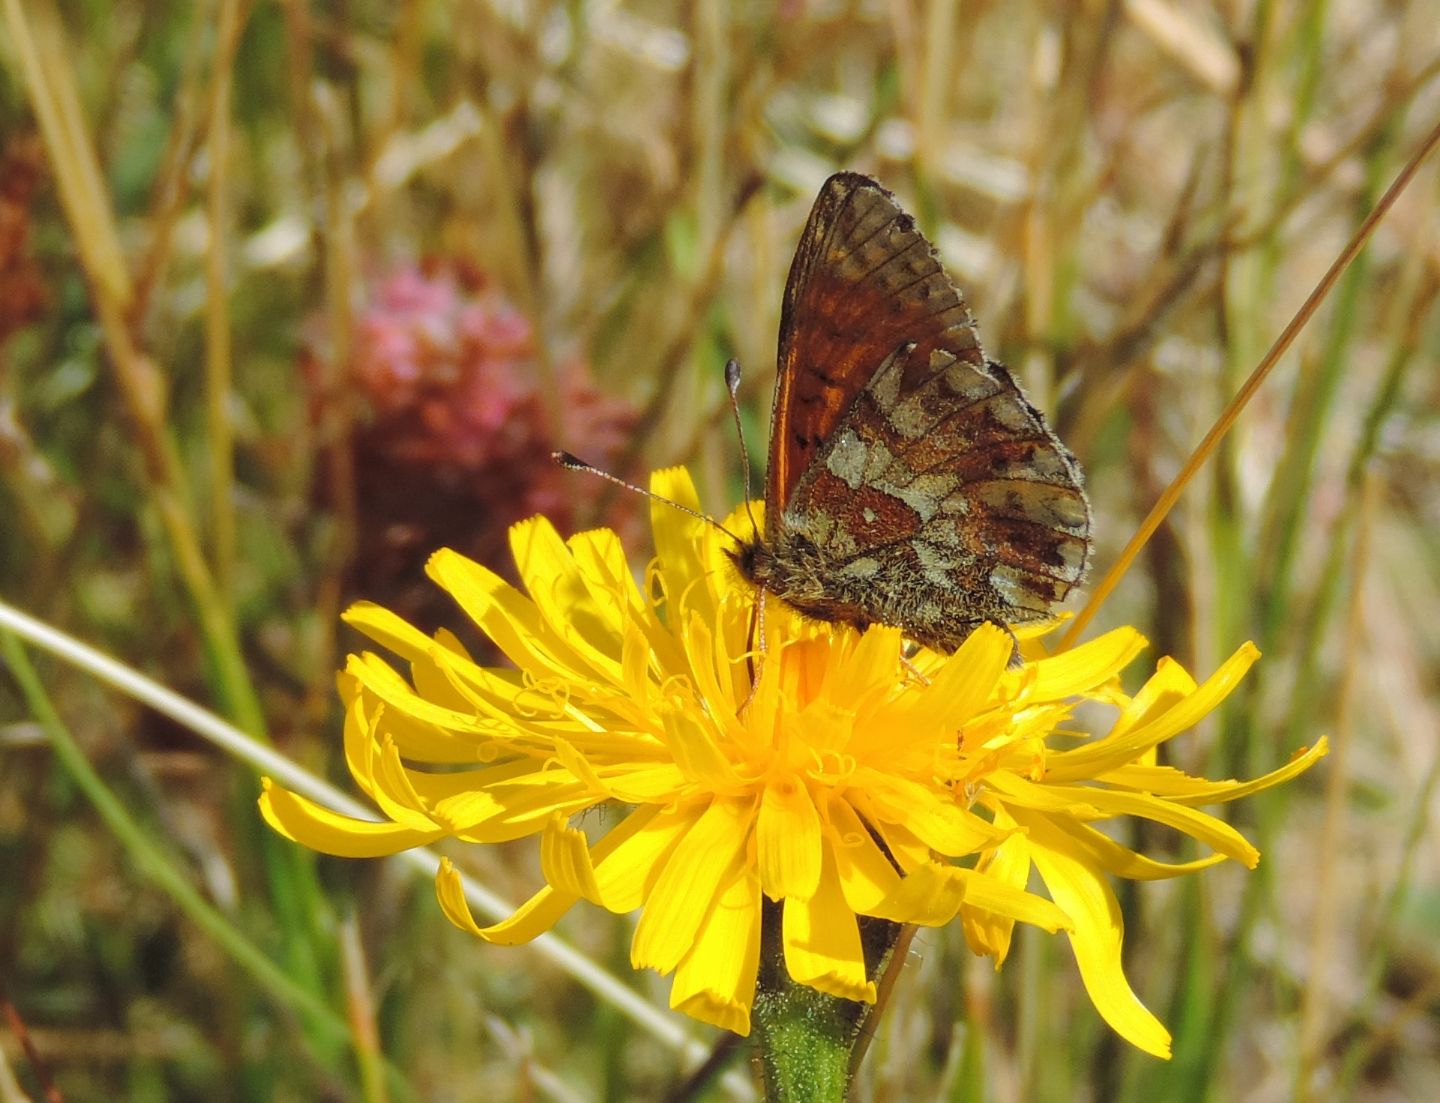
796,571
755,560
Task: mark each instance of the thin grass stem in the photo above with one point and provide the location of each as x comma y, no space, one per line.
219,372
1315,1004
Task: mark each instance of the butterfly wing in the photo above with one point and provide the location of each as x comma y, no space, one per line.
863,280
932,490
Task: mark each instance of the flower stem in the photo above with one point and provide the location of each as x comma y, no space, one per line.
808,1042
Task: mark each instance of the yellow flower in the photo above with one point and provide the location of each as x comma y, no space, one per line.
848,781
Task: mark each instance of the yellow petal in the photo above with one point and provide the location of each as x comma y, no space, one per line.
1084,896
421,740
1214,833
866,875
358,740
583,632
384,682
1009,788
1299,762
704,859
930,895
822,942
1170,783
904,845
711,678
693,740
396,796
569,862
1164,689
634,781
1108,753
387,629
827,729
716,981
926,811
636,652
986,931
787,838
310,824
645,785
1105,853
600,557
991,894
628,872
1085,667
499,694
512,810
1039,629
565,860
434,683
534,917
457,683
488,785
963,685
503,613
678,543
864,674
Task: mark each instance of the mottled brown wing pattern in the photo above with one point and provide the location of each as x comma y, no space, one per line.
940,504
911,483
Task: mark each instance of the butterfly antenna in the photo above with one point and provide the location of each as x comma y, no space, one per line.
574,463
732,384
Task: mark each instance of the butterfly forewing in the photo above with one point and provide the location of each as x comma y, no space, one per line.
863,280
911,482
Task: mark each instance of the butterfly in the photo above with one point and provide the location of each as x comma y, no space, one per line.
910,481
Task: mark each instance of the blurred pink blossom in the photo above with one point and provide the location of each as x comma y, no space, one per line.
452,438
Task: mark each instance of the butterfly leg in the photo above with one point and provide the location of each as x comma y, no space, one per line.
913,670
1017,660
755,660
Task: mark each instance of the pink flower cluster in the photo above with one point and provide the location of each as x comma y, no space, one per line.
449,368
456,425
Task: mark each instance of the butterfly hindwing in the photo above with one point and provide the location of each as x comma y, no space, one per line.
942,505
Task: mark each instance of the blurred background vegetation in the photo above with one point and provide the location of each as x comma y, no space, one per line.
292,293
